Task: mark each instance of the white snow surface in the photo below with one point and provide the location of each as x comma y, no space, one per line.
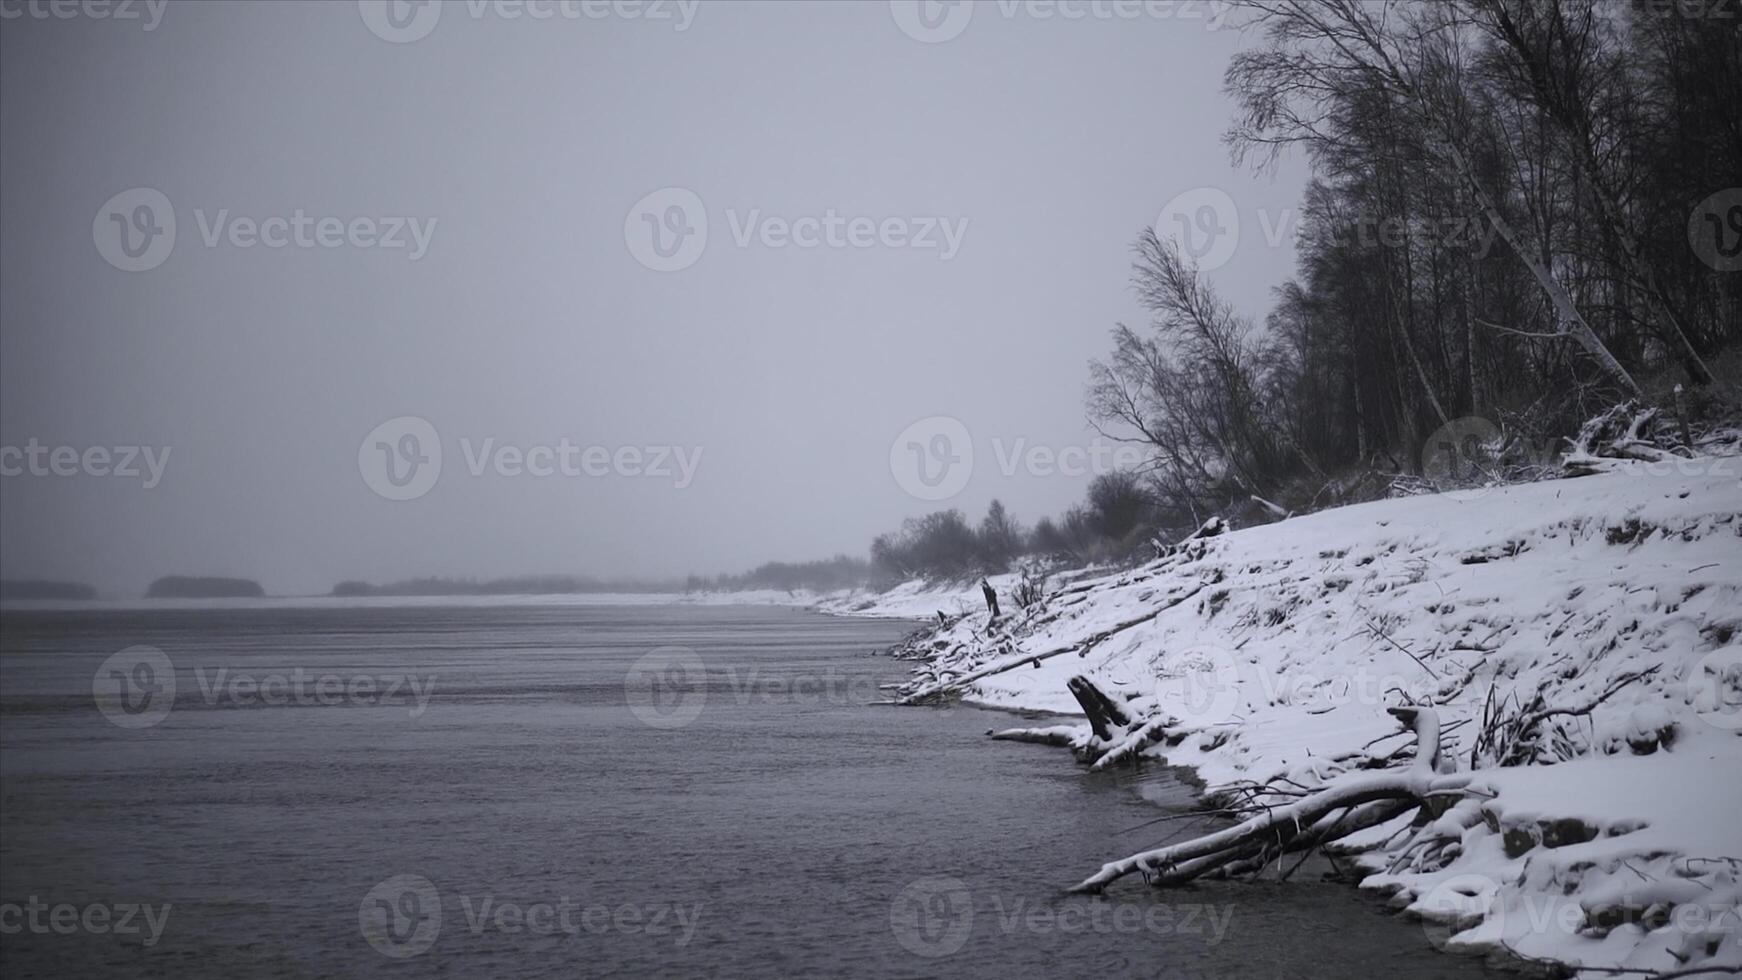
1279,648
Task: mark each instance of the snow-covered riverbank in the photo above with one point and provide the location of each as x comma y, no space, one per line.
1606,833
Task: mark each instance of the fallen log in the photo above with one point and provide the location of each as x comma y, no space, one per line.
1059,735
1301,824
1145,735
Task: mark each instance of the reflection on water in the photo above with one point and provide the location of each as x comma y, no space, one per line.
560,791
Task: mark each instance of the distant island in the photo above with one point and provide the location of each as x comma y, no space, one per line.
45,589
517,585
203,587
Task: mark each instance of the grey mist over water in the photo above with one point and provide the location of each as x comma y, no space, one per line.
302,155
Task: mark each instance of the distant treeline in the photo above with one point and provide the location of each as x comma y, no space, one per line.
517,585
1115,521
203,587
839,572
44,589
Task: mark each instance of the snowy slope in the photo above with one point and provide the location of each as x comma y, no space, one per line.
1276,651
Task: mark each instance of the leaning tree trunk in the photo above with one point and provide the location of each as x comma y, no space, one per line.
1570,116
1571,321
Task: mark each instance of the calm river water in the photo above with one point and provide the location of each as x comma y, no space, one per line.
560,790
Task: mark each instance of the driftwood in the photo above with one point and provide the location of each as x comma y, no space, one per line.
927,693
1062,736
1104,714
1619,434
1114,735
1192,544
1345,805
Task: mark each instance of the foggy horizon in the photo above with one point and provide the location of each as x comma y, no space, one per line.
510,158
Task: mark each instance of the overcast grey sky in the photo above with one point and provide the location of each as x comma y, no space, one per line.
520,308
